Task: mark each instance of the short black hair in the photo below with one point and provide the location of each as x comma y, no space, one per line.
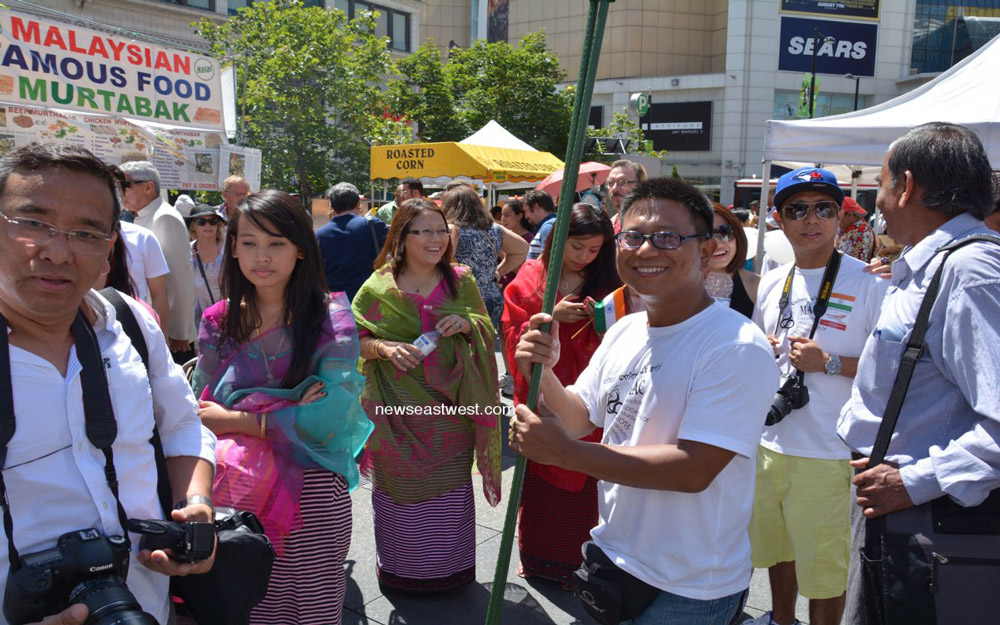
35,156
541,199
343,196
949,163
677,190
413,184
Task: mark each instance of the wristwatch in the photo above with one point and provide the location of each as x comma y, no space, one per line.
833,366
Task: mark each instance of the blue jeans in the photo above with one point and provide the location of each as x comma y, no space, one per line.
671,609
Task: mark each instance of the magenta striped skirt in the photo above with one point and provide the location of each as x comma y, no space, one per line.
427,546
308,582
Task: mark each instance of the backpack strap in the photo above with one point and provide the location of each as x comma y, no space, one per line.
125,316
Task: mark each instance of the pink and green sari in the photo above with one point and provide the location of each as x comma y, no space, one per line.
266,476
429,423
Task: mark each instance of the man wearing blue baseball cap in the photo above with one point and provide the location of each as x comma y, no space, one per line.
817,313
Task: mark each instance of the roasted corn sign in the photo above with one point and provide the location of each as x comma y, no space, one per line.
62,66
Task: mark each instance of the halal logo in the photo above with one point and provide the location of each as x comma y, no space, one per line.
204,69
811,175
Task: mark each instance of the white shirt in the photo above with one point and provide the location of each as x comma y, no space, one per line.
55,477
853,310
168,226
145,258
708,379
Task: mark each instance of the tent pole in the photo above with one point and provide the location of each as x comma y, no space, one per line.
765,191
855,174
593,35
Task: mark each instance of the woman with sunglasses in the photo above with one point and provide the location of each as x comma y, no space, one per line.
205,226
727,279
434,404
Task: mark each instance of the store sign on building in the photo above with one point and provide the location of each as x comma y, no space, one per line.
859,9
57,65
851,51
683,126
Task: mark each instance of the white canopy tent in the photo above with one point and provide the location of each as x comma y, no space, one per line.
494,135
965,94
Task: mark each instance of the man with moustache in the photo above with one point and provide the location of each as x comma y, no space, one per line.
622,178
681,390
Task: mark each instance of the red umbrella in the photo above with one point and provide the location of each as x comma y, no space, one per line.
591,174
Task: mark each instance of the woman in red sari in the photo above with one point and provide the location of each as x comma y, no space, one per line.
559,507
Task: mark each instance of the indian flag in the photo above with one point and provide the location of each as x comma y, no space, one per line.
610,310
841,302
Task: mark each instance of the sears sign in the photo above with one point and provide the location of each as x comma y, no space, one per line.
852,50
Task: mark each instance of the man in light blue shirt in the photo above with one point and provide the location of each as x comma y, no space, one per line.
540,210
935,187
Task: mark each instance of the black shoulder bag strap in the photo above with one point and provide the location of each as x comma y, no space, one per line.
131,326
371,231
914,350
822,299
100,424
204,277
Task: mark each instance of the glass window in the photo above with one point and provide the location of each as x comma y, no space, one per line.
400,31
343,5
945,32
787,104
382,23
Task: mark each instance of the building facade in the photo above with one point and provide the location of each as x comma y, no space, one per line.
714,70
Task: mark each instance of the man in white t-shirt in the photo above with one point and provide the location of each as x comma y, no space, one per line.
801,522
147,266
681,391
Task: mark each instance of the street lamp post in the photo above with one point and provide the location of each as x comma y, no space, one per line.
857,87
812,80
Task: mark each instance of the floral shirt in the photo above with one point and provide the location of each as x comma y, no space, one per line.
858,240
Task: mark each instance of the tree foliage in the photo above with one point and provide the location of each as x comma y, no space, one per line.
515,85
622,127
311,83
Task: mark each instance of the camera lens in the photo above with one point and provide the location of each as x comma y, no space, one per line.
110,602
780,408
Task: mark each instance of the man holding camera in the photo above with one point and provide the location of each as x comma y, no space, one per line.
69,484
817,313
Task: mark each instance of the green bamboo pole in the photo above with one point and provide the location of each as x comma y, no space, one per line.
596,19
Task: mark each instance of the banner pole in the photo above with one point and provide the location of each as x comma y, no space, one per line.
596,20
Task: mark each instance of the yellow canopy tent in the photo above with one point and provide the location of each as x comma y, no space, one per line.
493,166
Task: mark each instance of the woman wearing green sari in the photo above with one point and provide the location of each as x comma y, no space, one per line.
431,413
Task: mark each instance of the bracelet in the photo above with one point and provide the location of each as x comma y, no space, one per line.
193,499
263,424
375,345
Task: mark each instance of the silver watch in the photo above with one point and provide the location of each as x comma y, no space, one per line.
833,366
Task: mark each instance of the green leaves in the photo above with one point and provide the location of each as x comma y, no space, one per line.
309,85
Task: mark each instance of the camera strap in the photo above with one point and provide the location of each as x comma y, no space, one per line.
822,299
99,416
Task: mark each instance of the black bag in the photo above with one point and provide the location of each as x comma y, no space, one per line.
939,562
609,594
244,555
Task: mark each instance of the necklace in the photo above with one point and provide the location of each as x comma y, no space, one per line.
566,283
267,365
416,288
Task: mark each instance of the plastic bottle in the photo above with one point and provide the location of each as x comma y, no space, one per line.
427,342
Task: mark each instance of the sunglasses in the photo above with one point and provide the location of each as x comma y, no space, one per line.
662,240
723,233
824,209
207,221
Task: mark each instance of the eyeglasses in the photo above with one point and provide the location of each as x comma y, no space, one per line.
207,221
794,211
34,232
662,240
723,233
621,183
429,233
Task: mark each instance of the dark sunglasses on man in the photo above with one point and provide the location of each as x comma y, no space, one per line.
824,209
207,221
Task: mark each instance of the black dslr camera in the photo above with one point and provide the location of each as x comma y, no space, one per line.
84,567
187,542
791,395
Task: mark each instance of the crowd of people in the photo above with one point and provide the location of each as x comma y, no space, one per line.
697,420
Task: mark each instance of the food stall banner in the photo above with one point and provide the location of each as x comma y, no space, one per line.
55,65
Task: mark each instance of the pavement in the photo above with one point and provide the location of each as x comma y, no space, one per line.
526,601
